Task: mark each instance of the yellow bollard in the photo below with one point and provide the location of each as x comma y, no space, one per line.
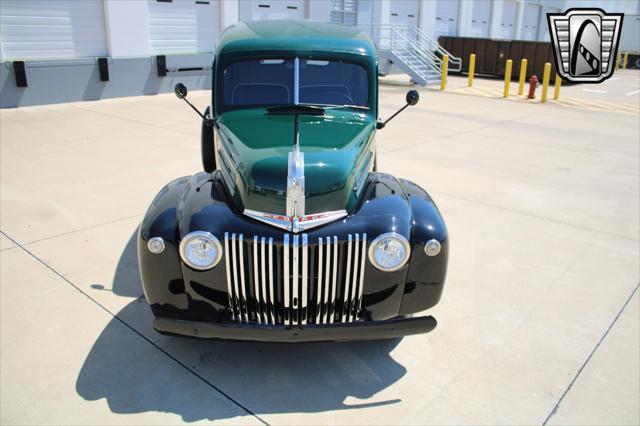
445,69
523,76
626,59
556,88
545,81
507,78
472,68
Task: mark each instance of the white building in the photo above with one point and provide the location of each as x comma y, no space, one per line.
59,41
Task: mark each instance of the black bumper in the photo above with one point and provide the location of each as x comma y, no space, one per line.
368,330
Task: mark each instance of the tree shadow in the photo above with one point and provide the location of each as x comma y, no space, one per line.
157,372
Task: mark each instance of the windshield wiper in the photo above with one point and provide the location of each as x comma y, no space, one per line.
356,107
295,109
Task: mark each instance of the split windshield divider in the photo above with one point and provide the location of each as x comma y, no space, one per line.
306,109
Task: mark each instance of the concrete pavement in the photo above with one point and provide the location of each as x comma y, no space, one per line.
620,93
539,321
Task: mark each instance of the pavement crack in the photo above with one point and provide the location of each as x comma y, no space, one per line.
80,229
584,364
134,330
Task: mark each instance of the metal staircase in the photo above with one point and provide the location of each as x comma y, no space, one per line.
412,51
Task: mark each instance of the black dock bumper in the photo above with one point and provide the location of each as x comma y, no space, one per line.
366,330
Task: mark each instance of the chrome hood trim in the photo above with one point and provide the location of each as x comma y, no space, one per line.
295,183
296,224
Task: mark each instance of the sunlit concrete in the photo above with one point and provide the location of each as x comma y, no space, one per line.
542,204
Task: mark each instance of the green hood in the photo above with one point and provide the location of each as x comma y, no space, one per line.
337,157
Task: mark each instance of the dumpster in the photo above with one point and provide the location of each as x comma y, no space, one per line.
492,55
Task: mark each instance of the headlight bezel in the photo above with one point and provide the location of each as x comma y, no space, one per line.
389,235
200,234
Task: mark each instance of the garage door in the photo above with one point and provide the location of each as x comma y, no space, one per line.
544,26
404,12
530,22
183,26
447,17
48,29
508,24
276,9
480,17
345,12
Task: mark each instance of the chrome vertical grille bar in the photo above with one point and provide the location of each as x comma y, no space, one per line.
285,250
234,262
361,284
232,304
354,281
305,279
319,285
243,287
295,303
264,298
272,307
327,282
347,279
256,279
334,296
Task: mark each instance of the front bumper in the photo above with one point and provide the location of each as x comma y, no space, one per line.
365,330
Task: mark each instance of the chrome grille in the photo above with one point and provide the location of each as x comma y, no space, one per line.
297,281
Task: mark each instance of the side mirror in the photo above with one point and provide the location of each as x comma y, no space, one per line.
181,91
412,97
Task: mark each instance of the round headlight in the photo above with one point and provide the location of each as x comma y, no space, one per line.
156,245
200,250
389,252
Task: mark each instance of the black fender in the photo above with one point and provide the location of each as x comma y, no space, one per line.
161,276
426,275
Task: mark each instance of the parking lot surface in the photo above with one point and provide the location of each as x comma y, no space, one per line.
539,322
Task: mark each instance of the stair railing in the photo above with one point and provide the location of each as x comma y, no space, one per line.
402,43
398,37
455,63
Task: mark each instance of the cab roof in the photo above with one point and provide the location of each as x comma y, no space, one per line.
294,35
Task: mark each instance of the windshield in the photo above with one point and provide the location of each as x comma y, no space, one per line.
269,82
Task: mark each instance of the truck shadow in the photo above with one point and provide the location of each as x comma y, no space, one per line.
138,370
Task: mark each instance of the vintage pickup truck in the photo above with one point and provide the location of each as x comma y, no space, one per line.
290,233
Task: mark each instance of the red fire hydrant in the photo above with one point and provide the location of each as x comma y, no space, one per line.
533,82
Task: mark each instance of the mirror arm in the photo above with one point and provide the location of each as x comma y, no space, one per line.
397,112
381,124
194,108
